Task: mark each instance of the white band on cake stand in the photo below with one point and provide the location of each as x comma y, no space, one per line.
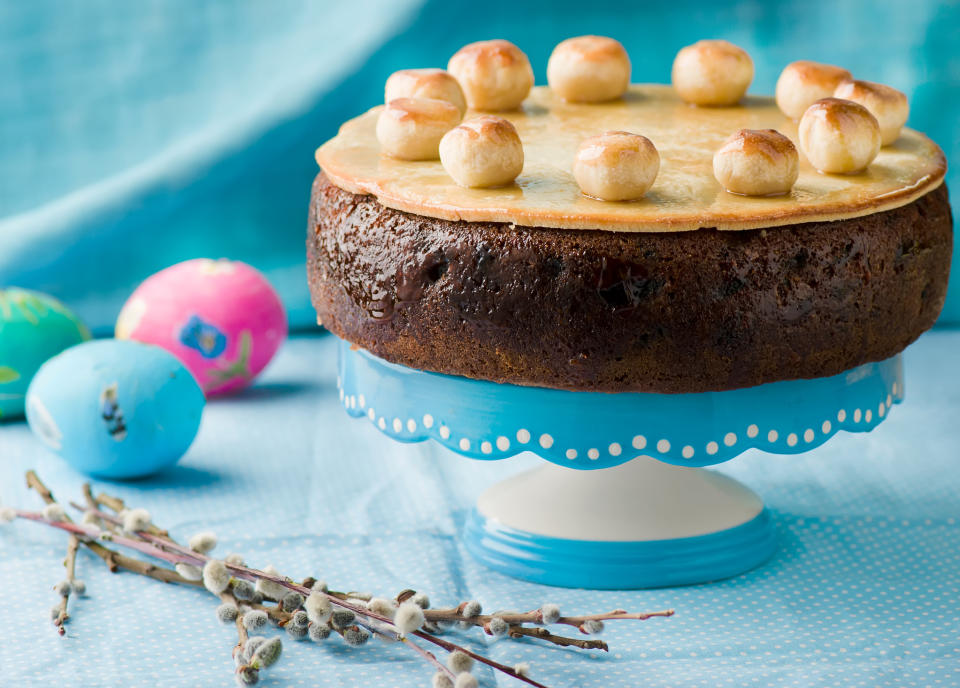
638,525
653,517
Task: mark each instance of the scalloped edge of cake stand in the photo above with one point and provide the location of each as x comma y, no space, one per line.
592,430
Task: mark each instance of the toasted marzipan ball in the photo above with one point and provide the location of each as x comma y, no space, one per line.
839,136
494,75
712,73
437,84
887,104
589,69
757,162
482,152
616,166
802,83
411,128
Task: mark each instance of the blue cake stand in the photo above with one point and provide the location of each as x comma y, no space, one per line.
653,516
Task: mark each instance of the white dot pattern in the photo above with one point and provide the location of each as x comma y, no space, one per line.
665,448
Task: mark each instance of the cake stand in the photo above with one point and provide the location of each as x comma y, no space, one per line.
623,500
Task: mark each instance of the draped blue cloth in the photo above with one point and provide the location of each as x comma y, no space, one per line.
137,134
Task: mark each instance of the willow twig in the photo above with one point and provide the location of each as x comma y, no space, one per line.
106,519
70,564
113,559
543,634
430,657
536,616
451,647
118,506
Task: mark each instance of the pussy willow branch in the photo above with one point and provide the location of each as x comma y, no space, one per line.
431,658
563,641
113,559
118,505
536,616
451,647
374,623
242,635
70,564
156,542
198,559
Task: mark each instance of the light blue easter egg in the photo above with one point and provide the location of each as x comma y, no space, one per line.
115,409
33,327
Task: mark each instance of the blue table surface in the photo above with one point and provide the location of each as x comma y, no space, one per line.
863,591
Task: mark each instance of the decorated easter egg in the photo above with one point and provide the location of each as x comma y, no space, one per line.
220,317
33,327
115,409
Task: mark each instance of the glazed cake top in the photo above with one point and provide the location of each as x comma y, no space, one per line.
685,196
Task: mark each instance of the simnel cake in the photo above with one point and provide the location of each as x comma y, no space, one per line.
596,235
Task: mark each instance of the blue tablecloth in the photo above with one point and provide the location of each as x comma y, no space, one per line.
864,590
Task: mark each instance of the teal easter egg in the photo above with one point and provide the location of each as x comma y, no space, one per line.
33,328
115,409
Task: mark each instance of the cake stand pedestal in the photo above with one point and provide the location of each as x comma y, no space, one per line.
654,516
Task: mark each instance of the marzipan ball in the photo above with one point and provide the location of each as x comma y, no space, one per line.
589,69
437,84
757,162
494,75
411,128
839,136
616,166
887,104
712,73
802,83
482,152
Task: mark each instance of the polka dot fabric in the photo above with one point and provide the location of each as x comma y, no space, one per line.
863,591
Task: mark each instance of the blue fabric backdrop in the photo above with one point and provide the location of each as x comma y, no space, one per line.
135,135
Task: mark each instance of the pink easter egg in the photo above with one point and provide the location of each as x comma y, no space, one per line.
221,318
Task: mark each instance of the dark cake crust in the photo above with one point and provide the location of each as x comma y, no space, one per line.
618,312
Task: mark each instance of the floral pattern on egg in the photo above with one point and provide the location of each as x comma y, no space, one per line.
221,318
203,337
33,328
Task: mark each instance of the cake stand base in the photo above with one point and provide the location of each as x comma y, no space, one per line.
642,524
624,501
